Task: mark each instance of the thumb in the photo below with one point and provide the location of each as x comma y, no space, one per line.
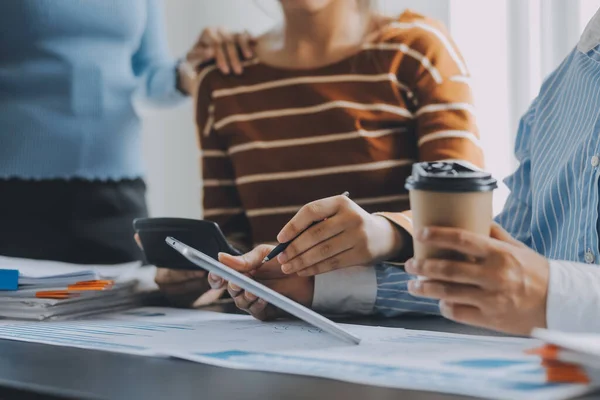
502,235
246,262
138,241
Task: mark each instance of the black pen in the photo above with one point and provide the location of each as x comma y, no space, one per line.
280,248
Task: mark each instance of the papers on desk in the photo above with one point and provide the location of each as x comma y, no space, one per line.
33,282
570,356
488,367
38,269
53,290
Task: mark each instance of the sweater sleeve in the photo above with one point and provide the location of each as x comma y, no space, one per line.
440,89
221,201
152,63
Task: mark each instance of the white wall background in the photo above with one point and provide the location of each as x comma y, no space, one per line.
509,46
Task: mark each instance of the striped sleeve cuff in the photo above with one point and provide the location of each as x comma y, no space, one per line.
348,291
393,298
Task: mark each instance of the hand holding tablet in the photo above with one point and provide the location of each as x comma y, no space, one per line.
263,292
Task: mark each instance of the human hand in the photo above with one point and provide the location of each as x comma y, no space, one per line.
224,47
269,274
219,45
347,236
180,288
503,284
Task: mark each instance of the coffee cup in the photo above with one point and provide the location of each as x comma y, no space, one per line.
449,194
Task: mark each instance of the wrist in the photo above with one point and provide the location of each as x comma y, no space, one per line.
184,80
542,319
310,292
392,239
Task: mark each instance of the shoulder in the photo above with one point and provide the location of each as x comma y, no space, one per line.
419,32
210,78
424,39
208,75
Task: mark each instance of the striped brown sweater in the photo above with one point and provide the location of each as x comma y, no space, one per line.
274,139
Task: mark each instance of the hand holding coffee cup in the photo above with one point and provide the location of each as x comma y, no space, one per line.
449,194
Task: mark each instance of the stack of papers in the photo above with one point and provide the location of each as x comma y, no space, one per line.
40,281
49,281
570,357
483,366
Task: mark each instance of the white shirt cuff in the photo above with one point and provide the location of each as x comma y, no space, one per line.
346,291
573,303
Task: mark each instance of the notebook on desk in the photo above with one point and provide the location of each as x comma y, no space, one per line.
47,290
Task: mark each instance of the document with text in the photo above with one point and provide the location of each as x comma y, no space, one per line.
482,366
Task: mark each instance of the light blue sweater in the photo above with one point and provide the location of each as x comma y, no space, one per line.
69,73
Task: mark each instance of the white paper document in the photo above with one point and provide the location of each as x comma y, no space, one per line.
586,343
482,366
132,281
40,269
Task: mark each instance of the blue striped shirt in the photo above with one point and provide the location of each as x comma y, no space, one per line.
553,206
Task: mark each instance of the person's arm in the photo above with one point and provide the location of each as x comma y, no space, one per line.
573,303
443,104
505,285
353,299
515,218
430,65
446,130
516,215
153,65
221,201
381,290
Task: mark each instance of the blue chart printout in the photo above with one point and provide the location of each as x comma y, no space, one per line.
488,367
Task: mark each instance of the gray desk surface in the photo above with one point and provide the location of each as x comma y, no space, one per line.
32,371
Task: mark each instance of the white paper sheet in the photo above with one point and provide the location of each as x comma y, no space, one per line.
586,343
119,272
487,367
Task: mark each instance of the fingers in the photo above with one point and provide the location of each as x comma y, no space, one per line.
462,241
222,46
243,299
499,233
462,313
212,40
258,308
323,255
215,282
138,240
231,51
221,58
245,41
449,271
312,212
269,271
181,288
169,276
342,260
449,292
248,302
247,262
321,235
209,297
261,310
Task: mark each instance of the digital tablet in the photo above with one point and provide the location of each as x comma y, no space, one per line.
278,300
